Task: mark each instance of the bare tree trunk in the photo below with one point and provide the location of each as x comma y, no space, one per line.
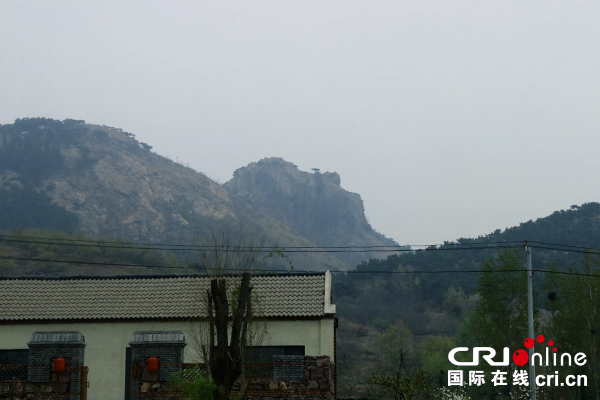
211,338
226,358
245,386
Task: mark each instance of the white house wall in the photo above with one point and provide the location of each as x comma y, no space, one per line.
106,344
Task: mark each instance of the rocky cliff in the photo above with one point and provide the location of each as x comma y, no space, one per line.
313,205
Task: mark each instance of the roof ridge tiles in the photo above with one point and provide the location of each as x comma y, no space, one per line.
291,274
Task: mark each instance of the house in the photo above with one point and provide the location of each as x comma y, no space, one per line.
105,322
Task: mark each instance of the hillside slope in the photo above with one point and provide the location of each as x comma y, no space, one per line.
69,176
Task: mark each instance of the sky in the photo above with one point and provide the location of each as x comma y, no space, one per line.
450,118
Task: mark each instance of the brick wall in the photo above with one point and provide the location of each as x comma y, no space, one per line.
288,368
167,346
44,348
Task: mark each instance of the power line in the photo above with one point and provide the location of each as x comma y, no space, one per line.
589,249
351,272
176,247
266,249
293,249
316,250
89,262
466,271
286,249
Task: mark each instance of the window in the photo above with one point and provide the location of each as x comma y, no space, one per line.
13,357
266,353
13,364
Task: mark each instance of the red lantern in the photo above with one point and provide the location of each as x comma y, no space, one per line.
59,367
152,364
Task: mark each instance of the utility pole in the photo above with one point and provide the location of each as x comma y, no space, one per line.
530,320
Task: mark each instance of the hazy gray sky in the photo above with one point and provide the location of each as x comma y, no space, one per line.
450,118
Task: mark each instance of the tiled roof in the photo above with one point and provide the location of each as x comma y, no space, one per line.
298,295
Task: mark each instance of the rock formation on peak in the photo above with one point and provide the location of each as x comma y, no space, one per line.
313,205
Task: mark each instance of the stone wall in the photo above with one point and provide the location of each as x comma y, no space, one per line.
317,383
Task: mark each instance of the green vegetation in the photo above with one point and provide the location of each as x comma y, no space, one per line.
433,354
194,383
572,318
500,318
26,207
437,303
83,255
402,387
395,344
30,151
494,315
580,225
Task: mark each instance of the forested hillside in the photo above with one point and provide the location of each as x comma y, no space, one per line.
430,300
577,226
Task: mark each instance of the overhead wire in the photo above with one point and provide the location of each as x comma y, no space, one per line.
290,249
176,247
587,251
49,260
266,249
350,272
558,244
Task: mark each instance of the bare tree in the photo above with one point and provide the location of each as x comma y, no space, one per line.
229,258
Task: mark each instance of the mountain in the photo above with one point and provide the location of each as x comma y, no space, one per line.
314,205
71,176
443,275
